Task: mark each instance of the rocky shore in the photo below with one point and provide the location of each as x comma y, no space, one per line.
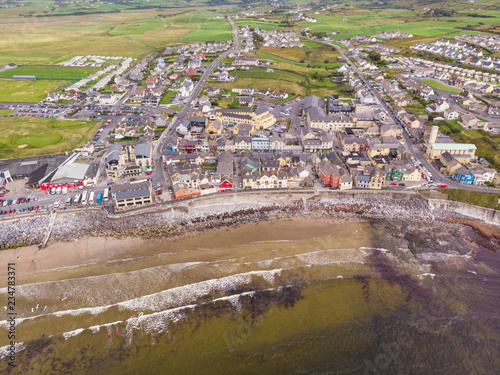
70,226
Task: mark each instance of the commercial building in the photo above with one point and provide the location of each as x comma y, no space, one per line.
132,195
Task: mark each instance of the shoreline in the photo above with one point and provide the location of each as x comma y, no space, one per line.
83,238
223,210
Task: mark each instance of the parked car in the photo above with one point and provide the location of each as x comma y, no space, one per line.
394,183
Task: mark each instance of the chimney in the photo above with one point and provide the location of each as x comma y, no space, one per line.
434,134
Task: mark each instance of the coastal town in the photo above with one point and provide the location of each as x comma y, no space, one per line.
175,124
146,153
208,187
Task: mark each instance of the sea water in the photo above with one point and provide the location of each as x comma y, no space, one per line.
281,297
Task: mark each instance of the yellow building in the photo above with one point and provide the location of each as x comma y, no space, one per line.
214,127
260,119
435,150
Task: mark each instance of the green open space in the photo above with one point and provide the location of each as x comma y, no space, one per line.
50,72
6,112
16,90
441,86
167,98
488,146
253,23
131,33
31,136
277,74
138,26
489,200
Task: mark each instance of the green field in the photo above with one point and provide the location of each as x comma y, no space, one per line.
5,112
30,136
349,22
128,33
441,86
138,27
50,72
167,98
277,74
14,90
489,200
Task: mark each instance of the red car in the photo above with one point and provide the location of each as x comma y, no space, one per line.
442,186
394,183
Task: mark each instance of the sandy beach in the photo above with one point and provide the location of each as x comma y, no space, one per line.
83,251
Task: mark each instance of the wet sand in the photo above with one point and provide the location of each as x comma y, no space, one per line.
63,254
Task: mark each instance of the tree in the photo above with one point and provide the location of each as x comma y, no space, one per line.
374,56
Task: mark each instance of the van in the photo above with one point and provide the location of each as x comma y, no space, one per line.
65,190
77,199
59,190
99,198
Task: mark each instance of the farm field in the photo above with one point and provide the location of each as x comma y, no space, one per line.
132,33
14,90
441,86
211,30
349,22
272,84
266,25
138,26
50,72
30,136
277,74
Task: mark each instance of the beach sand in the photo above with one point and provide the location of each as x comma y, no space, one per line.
63,254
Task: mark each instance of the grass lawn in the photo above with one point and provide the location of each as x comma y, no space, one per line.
277,74
441,86
455,124
167,98
14,90
138,26
50,72
417,108
488,147
489,200
294,54
30,136
272,84
117,34
5,112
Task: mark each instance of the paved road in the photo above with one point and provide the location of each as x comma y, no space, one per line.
160,145
438,177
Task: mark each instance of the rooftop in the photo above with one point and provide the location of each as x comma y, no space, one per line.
454,146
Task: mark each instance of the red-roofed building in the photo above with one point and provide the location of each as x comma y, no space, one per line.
225,185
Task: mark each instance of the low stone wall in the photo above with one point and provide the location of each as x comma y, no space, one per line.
487,215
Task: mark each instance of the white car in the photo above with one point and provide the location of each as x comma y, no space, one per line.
57,204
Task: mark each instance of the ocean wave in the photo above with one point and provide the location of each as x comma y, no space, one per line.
170,297
155,322
4,350
69,334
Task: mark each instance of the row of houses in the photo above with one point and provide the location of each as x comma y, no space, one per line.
490,41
